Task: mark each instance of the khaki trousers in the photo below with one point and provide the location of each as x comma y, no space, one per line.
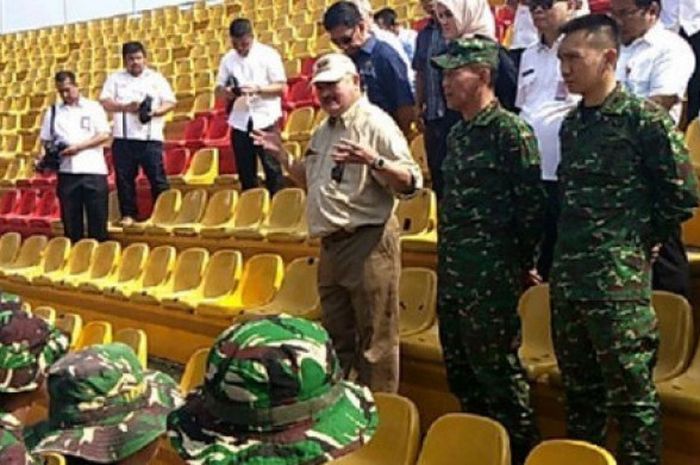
358,280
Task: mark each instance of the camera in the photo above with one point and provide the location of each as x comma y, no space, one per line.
232,83
145,110
51,161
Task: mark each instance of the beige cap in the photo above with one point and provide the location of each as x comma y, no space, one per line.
332,68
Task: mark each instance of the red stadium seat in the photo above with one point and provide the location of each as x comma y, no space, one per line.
47,211
195,131
38,181
144,203
299,95
307,66
219,133
7,202
227,162
24,207
176,161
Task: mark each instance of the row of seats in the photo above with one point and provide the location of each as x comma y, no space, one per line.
28,211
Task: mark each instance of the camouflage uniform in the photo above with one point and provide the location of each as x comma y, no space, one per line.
626,183
273,395
103,407
28,346
490,224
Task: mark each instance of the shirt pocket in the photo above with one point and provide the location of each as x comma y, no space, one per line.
526,85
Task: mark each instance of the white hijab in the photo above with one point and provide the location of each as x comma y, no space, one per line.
472,17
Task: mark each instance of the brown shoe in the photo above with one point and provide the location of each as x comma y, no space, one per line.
127,221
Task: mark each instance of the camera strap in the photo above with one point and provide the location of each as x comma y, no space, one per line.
52,123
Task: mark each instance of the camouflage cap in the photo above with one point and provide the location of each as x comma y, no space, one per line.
469,51
273,395
28,346
102,406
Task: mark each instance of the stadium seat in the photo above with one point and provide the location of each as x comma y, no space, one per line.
137,340
219,211
251,210
228,171
176,161
424,346
52,261
261,279
166,208
186,276
569,452
14,169
675,334
8,201
287,219
692,141
24,206
421,157
114,215
397,437
300,94
203,104
47,211
202,170
298,294
156,272
299,124
94,333
72,325
418,221
682,393
46,313
218,133
79,261
536,351
192,209
104,262
51,458
129,269
29,255
196,367
480,441
221,277
417,300
10,244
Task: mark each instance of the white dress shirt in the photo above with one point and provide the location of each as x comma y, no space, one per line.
544,101
677,14
658,63
524,30
75,124
124,88
261,67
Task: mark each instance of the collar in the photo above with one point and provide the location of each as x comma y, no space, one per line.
146,71
253,48
369,44
78,104
654,36
347,118
543,47
486,115
614,104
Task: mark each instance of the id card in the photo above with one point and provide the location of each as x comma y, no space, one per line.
85,123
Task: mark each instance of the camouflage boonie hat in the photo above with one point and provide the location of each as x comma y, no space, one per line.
102,406
273,395
471,51
28,347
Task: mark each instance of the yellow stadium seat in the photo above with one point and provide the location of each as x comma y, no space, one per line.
129,269
196,367
184,108
155,273
319,118
251,211
692,141
537,349
261,279
682,394
51,458
480,441
292,67
203,102
104,262
418,221
137,340
72,325
46,313
298,294
10,244
423,346
397,437
191,210
94,333
675,334
113,214
564,451
79,261
221,276
186,276
13,172
219,211
202,170
417,300
299,124
287,219
165,209
420,156
53,258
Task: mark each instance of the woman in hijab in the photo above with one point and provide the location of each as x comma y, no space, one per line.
465,18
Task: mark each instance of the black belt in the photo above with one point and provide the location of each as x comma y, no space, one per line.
343,234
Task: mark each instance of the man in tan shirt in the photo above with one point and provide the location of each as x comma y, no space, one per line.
356,164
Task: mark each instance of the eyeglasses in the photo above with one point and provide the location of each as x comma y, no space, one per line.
625,13
544,4
344,40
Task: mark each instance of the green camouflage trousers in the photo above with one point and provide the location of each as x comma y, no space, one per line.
606,351
480,335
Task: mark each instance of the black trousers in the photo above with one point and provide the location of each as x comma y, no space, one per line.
247,155
128,155
671,271
551,216
83,196
435,140
694,83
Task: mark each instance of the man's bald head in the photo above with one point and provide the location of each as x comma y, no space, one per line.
600,31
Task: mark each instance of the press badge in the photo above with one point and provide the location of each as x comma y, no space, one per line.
85,123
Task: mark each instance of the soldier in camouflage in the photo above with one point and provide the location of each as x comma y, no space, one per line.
104,408
28,346
626,184
273,395
491,221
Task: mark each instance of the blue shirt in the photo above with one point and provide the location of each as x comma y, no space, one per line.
384,75
429,44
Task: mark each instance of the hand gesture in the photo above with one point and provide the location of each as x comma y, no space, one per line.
70,151
270,141
347,151
531,278
132,107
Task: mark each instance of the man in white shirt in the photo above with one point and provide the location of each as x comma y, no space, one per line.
683,16
544,102
656,63
386,20
81,125
251,77
138,127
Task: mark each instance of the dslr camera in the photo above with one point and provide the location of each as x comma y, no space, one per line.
233,84
145,108
51,161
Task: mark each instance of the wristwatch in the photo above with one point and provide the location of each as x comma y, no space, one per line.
378,164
